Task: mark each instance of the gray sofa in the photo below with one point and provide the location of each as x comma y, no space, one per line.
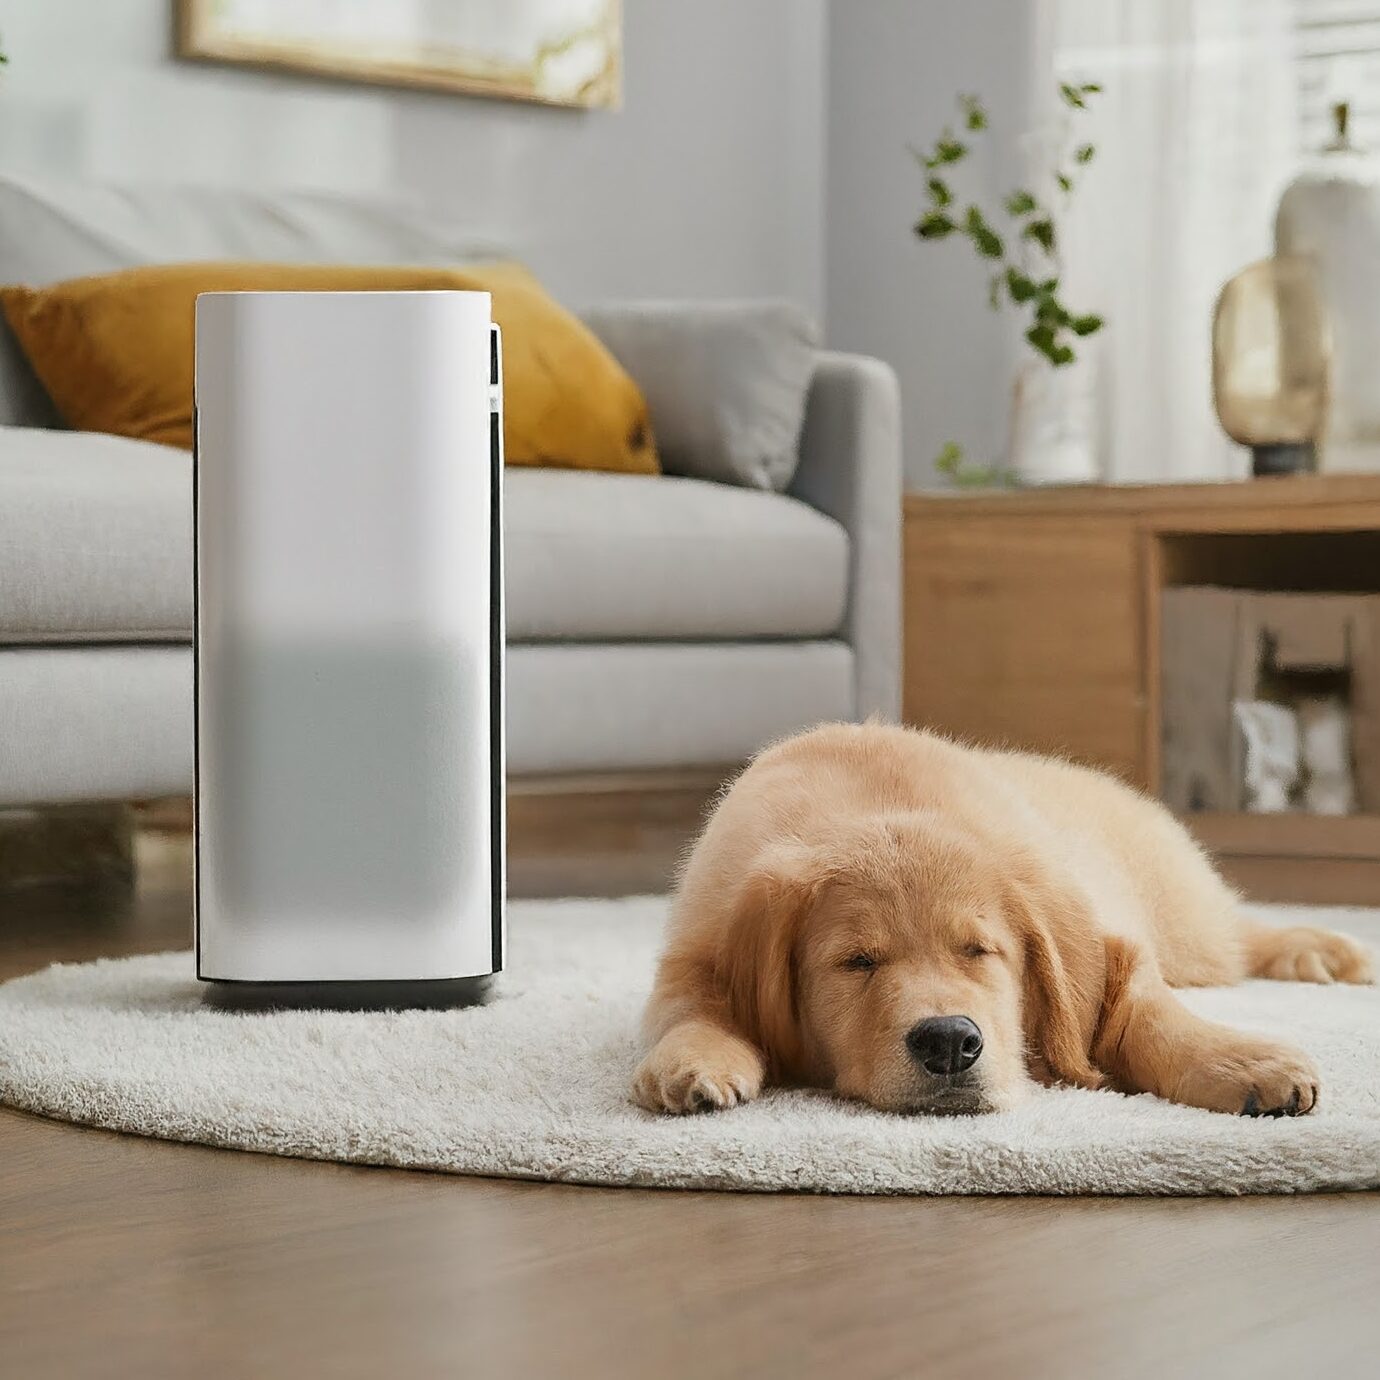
653,622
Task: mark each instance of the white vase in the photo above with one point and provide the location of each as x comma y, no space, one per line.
1331,214
1052,440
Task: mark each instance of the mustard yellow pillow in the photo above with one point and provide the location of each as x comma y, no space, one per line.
115,353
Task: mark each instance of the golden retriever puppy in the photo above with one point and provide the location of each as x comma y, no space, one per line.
930,927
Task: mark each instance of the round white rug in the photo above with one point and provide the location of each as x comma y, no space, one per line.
534,1085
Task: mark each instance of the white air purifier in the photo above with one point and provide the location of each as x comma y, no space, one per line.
349,647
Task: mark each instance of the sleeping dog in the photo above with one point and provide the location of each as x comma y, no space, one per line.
929,927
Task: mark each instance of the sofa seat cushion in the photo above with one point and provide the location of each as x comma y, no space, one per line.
115,723
95,539
95,723
96,546
639,706
612,556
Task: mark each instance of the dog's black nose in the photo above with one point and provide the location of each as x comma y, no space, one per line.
945,1045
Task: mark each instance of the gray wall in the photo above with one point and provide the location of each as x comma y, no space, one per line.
895,68
710,181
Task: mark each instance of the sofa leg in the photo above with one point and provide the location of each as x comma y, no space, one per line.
71,845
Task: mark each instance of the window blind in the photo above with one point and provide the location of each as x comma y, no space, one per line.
1338,43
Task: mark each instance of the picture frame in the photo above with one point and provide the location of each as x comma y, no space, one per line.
552,52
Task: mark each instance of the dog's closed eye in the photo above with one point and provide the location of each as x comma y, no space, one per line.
860,963
977,949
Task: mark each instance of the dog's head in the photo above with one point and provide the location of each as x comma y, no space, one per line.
914,966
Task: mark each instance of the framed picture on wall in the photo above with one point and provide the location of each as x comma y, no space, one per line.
556,52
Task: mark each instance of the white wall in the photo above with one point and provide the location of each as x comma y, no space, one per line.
709,181
896,67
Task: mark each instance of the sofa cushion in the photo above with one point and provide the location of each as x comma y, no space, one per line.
114,723
726,382
96,545
95,723
611,556
635,706
95,538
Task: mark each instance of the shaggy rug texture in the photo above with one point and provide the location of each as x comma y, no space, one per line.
534,1084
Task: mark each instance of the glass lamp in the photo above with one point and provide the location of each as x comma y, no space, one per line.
1271,363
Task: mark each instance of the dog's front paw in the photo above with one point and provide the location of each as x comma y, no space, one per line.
1246,1077
1304,954
696,1068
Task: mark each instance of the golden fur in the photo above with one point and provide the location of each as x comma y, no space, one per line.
857,881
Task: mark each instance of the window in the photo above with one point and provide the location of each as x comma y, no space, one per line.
1339,60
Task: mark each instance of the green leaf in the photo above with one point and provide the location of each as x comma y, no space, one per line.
953,464
1041,338
1047,343
1091,88
1084,153
985,240
946,150
1065,182
987,243
1021,288
1048,286
1020,203
939,192
934,226
1042,232
1086,325
994,291
1052,313
980,476
974,116
1072,95
949,459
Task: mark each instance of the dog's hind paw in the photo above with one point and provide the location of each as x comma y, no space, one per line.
1303,954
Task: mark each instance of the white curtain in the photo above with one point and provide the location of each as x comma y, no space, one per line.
1196,132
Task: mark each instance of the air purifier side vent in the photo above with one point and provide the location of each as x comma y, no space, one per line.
498,812
196,683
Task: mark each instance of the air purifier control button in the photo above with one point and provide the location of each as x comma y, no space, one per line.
495,369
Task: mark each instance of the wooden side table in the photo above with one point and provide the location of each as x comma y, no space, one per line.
1032,620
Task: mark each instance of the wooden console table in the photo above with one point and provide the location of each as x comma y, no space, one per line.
1032,619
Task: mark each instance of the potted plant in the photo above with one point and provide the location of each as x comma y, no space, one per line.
1023,248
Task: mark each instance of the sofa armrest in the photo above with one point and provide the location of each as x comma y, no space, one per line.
850,468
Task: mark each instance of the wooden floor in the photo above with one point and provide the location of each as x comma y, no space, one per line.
120,1256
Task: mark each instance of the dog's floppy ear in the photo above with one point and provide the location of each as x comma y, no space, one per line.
758,960
1065,974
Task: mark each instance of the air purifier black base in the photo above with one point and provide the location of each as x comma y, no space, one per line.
426,994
